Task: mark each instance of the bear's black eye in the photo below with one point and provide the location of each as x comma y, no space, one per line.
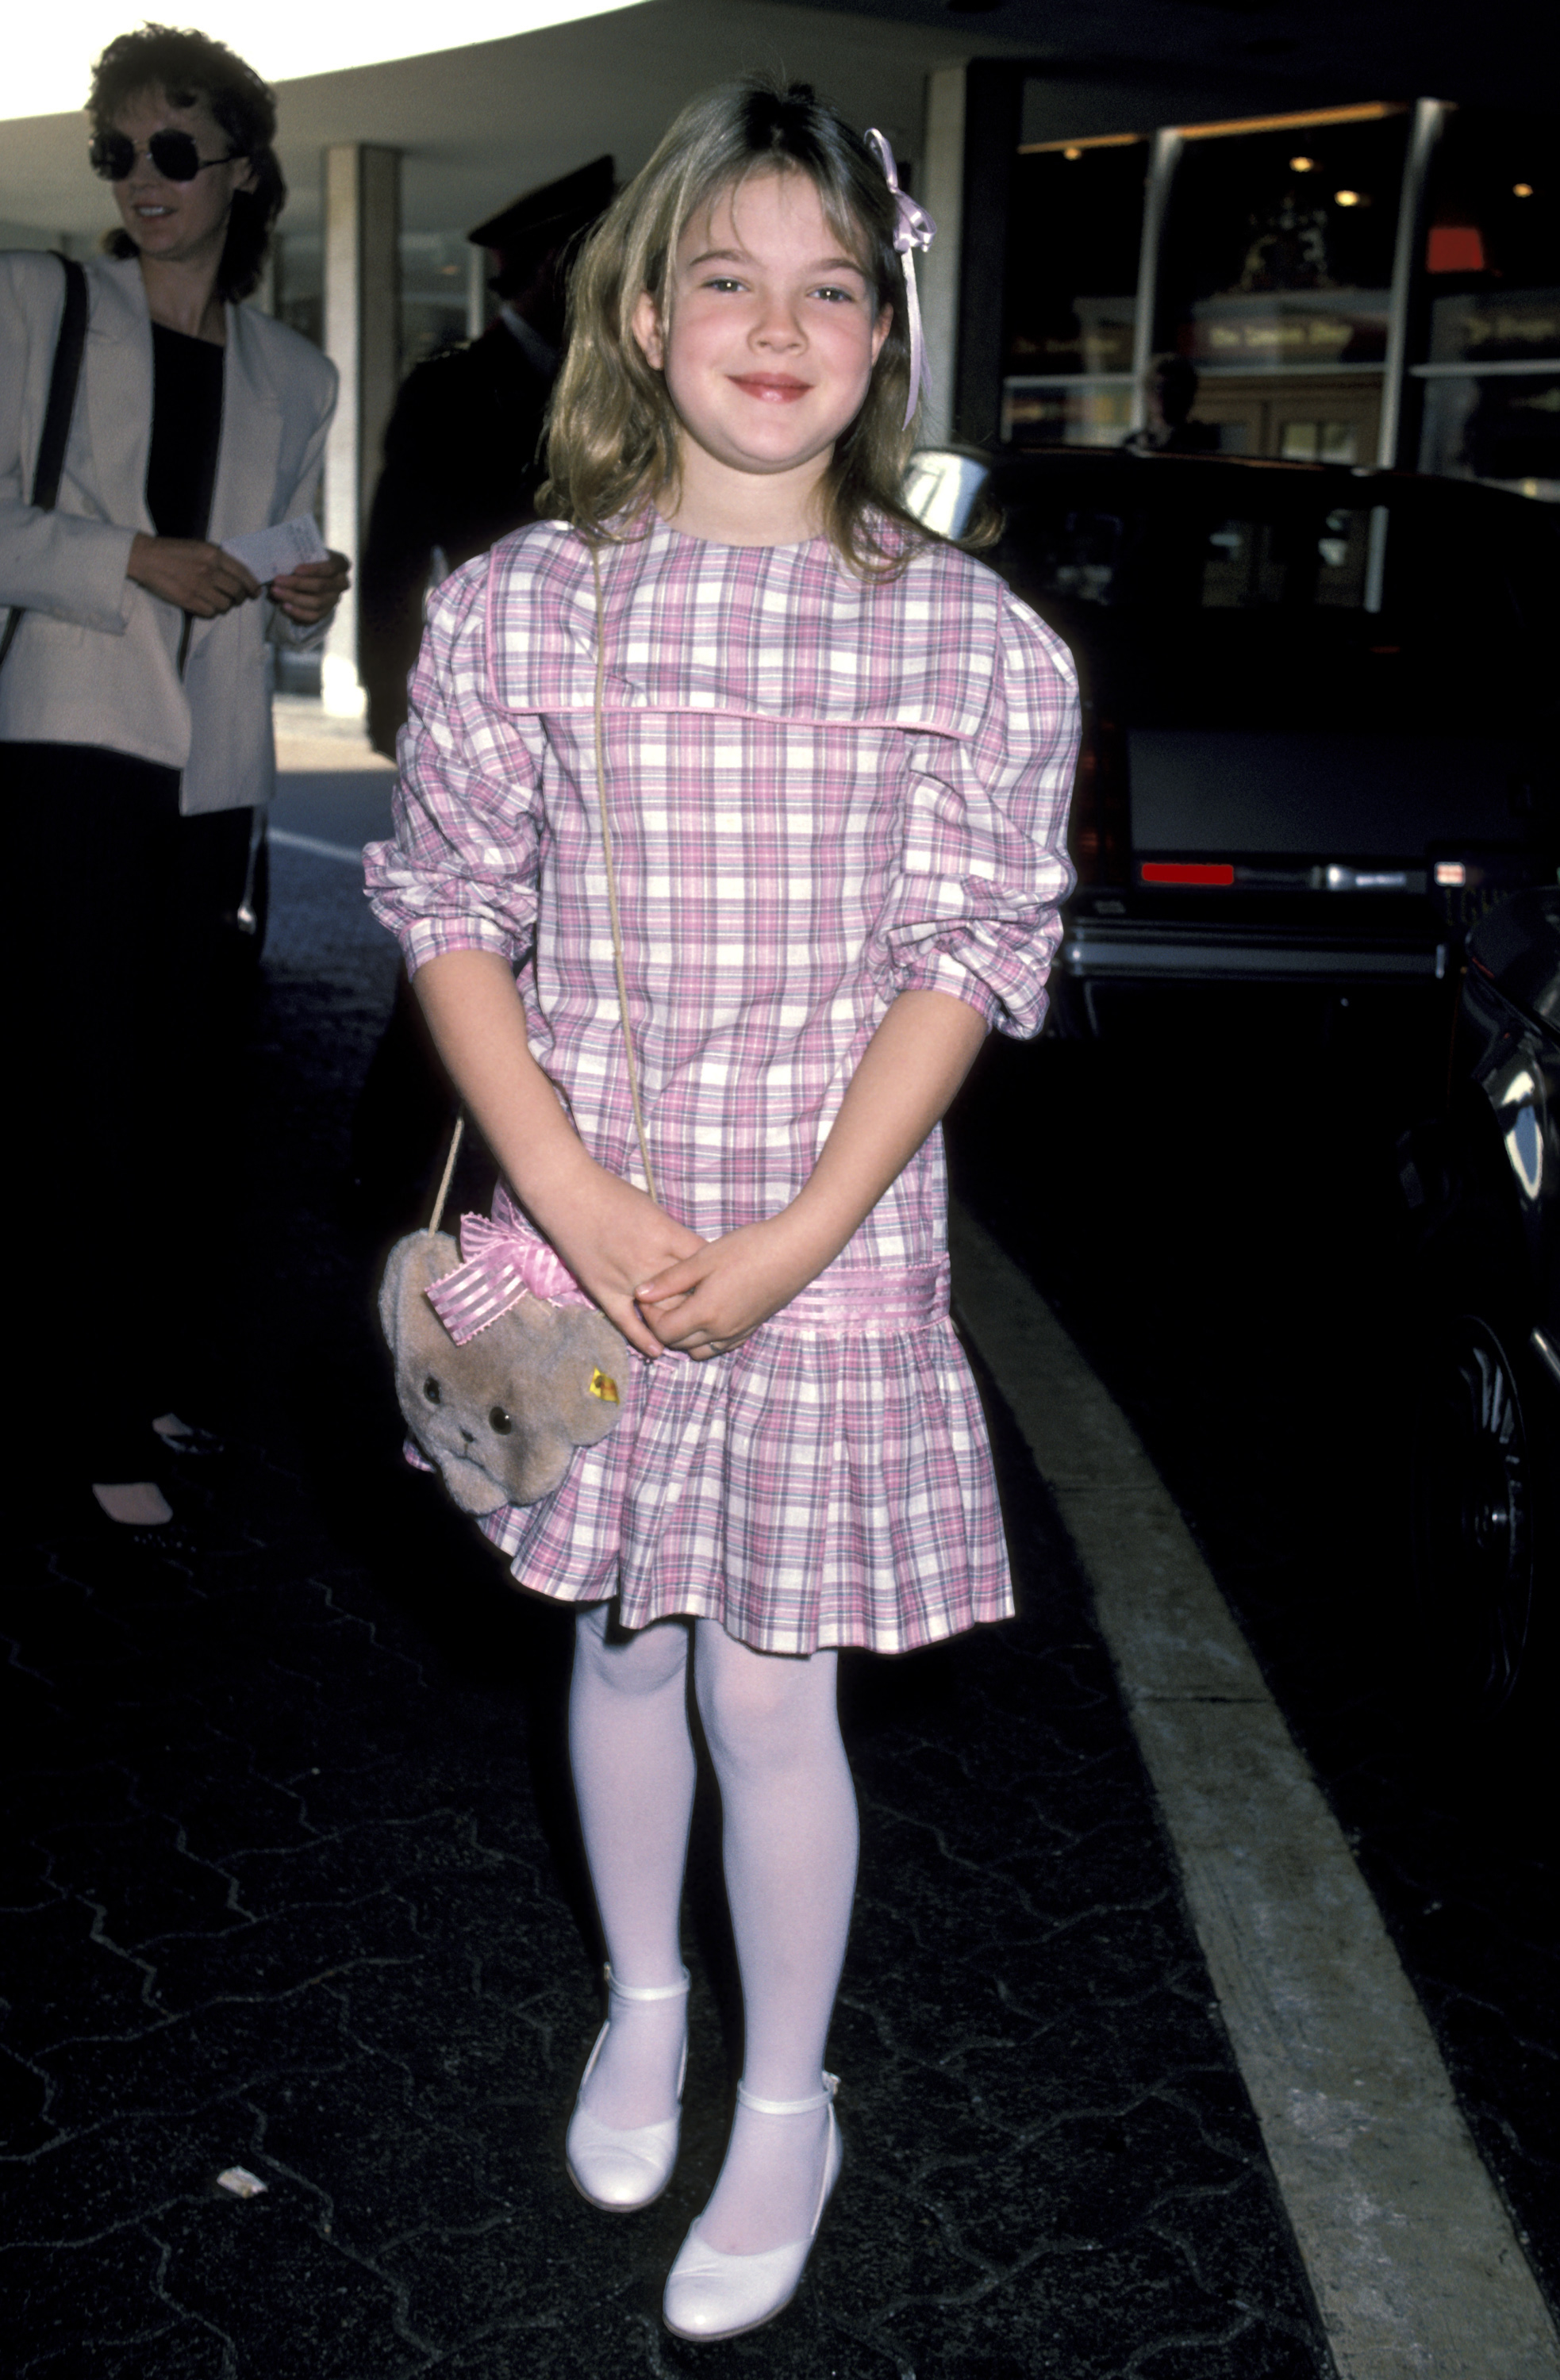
499,1422
432,1391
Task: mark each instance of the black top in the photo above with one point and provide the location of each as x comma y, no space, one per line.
186,431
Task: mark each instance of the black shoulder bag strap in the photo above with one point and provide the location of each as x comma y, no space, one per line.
56,416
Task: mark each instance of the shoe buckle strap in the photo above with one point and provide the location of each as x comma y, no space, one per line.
646,1991
789,2106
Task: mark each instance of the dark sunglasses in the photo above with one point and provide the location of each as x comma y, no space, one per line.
174,155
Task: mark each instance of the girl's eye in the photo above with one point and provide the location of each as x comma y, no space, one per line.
722,280
836,297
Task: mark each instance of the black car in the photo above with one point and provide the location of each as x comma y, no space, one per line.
1320,711
1482,1182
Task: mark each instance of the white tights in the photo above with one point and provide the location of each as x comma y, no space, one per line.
789,1842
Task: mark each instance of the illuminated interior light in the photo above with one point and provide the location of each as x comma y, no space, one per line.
1186,871
1073,152
1346,198
1521,189
1450,871
1302,164
1366,112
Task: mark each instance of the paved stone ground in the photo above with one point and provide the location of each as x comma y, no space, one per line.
292,1882
1225,1239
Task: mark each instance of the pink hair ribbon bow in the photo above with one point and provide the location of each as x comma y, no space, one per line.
504,1261
913,229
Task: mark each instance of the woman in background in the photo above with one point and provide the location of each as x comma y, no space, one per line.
135,725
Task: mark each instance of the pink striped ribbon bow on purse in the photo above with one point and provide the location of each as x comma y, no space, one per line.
504,1260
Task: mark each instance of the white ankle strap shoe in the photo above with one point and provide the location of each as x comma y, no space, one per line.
710,2295
621,2171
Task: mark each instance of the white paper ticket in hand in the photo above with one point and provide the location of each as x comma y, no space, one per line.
268,553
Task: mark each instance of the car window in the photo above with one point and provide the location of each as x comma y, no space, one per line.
1321,558
1113,559
1271,604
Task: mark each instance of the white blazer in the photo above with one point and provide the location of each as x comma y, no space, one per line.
96,659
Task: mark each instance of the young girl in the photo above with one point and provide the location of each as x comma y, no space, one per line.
835,757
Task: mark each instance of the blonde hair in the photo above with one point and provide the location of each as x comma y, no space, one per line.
612,435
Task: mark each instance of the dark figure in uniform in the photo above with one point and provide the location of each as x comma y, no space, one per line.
1171,390
462,460
462,464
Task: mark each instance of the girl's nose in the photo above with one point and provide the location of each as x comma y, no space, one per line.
777,327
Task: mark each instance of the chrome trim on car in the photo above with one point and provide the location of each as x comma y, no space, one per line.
1127,951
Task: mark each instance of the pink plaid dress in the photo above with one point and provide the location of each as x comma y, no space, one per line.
821,793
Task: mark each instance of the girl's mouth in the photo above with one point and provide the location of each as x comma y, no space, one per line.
770,388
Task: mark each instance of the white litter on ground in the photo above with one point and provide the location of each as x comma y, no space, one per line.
241,2182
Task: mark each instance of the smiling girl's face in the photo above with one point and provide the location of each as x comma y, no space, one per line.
769,334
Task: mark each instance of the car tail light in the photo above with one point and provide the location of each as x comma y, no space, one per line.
1186,871
1100,828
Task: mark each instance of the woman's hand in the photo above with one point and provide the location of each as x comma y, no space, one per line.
712,1299
192,575
612,1237
311,592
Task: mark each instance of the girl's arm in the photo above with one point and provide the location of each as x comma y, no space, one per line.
713,1297
610,1235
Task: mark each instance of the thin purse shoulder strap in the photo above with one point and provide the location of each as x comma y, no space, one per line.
437,1216
612,875
61,404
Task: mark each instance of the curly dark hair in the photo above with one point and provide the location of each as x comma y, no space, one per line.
189,65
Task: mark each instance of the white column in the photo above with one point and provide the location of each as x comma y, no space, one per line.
1430,116
941,192
477,262
1163,157
362,339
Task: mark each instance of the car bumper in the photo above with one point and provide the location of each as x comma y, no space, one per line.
1140,951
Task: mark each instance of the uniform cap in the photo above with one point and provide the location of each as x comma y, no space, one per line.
542,218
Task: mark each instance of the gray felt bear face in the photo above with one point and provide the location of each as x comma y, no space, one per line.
501,1416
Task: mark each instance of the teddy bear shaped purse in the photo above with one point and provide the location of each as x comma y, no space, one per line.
503,1368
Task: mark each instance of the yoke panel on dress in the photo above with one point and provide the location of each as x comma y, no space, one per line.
777,633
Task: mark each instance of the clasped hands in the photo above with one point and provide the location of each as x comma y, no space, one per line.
664,1287
200,579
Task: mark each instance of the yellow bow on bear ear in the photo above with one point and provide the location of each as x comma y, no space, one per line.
601,1386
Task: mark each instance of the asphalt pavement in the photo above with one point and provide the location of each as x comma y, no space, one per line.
1210,1202
294,1889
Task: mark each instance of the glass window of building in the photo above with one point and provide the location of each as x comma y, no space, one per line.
437,273
1278,250
1071,315
298,283
1275,279
1490,380
434,275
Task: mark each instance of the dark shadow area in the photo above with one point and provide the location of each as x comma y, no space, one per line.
1210,1201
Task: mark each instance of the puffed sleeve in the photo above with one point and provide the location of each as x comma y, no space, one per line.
972,906
460,873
